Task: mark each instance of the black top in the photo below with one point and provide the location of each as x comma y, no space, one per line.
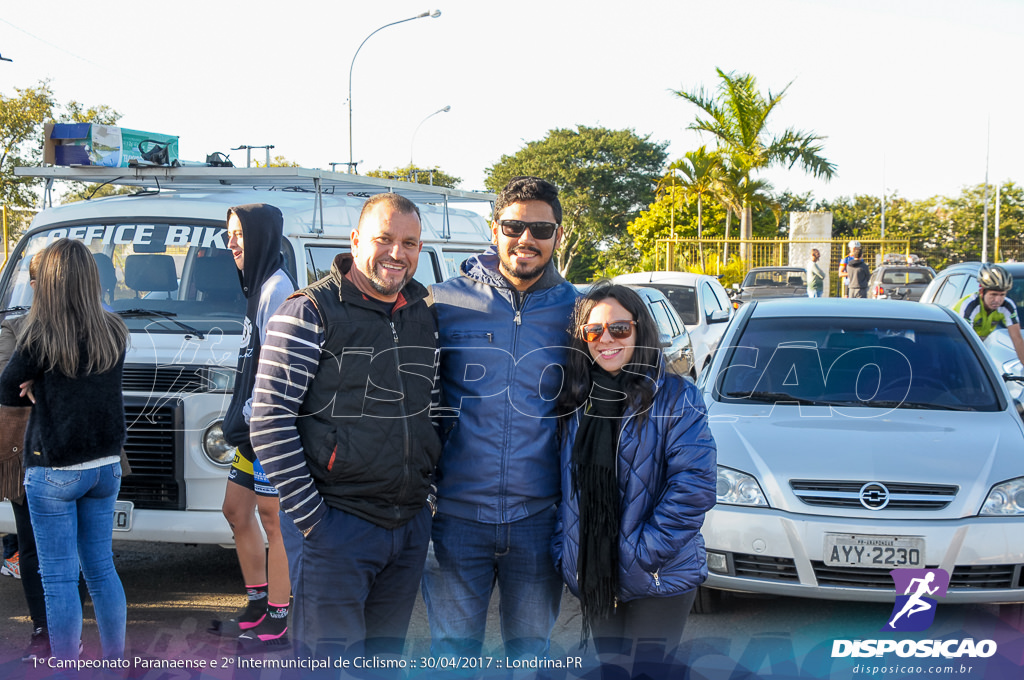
74,420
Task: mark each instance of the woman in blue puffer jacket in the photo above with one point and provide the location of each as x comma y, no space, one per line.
638,474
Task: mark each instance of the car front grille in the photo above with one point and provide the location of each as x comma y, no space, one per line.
1001,576
764,567
171,379
901,495
154,447
986,576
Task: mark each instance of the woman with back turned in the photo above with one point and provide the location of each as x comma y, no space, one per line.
638,474
68,363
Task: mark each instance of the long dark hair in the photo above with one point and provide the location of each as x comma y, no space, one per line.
639,374
67,316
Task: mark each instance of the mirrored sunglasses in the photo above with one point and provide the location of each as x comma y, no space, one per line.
541,231
620,330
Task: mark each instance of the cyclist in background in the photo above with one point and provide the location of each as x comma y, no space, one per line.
990,308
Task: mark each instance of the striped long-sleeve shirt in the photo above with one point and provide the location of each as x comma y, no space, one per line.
288,363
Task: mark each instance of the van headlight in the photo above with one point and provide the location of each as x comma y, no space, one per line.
1005,499
221,379
215,446
738,488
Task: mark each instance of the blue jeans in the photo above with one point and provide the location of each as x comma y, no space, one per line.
73,517
814,293
470,558
354,582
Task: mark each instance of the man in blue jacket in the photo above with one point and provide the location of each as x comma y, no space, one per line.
502,323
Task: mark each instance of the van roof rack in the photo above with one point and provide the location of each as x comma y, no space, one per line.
282,179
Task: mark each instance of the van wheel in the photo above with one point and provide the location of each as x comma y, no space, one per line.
1012,615
707,601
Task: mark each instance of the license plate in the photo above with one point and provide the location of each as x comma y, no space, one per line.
123,515
880,552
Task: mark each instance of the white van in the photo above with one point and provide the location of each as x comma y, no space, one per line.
165,268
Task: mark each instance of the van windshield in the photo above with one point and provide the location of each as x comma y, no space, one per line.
179,270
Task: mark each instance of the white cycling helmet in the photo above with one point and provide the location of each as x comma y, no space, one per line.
853,244
994,277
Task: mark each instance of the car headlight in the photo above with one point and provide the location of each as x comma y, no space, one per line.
214,445
1005,499
738,488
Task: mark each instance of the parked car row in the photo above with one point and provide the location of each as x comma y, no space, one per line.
848,437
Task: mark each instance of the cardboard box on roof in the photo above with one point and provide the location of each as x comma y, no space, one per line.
106,145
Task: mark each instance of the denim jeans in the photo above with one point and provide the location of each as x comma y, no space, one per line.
469,559
813,293
354,582
73,518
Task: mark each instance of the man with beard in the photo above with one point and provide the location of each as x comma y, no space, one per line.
503,323
341,424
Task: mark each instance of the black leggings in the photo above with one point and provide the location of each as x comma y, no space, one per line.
31,581
643,634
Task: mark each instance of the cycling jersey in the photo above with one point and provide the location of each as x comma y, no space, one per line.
984,321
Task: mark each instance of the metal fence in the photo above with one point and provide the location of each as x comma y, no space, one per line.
711,255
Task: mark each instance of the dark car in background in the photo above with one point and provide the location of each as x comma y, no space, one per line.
763,283
899,282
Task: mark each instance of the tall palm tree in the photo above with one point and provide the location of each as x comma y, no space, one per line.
737,116
702,173
735,191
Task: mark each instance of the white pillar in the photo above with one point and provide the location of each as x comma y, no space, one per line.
811,230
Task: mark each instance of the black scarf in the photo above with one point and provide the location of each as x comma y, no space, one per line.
595,485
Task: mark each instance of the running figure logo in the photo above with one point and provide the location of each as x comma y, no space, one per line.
915,608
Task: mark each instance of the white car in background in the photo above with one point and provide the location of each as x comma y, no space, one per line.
701,302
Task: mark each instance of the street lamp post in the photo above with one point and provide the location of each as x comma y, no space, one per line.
433,15
413,142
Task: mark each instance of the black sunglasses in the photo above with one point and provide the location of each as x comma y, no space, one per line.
541,231
620,330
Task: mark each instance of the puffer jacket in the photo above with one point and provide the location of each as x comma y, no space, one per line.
666,474
500,458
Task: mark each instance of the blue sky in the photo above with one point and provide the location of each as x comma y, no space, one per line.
906,92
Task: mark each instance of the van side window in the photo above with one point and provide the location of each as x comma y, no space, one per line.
319,259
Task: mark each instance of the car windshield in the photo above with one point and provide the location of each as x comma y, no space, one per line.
850,362
150,273
682,298
906,277
775,277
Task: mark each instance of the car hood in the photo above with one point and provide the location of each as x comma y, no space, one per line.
971,450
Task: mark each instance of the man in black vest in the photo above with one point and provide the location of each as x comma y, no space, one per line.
341,424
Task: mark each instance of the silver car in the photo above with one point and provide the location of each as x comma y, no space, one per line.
855,439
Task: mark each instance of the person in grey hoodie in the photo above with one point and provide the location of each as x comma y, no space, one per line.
254,237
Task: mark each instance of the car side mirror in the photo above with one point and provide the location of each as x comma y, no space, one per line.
718,316
664,340
735,286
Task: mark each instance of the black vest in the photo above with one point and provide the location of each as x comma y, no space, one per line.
365,421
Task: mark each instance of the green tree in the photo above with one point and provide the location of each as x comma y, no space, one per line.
737,116
414,173
21,132
22,120
281,162
605,178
